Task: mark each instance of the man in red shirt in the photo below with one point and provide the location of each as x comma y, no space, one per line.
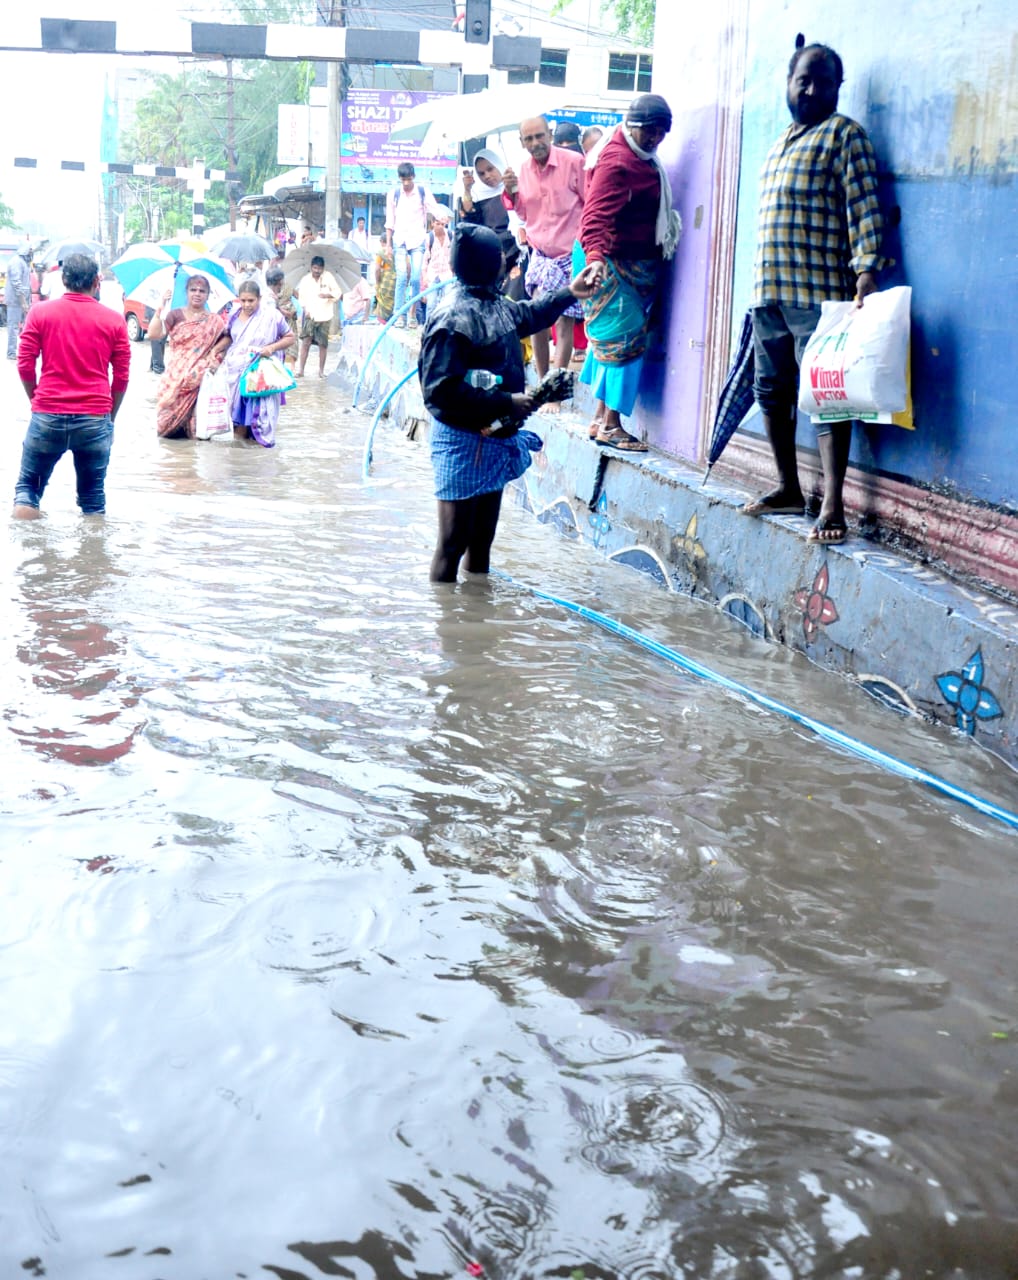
548,196
73,401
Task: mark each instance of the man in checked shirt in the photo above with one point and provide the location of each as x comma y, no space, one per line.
819,238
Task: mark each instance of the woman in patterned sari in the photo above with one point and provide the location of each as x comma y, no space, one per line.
629,230
196,340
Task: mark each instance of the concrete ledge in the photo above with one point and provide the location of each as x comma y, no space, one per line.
922,643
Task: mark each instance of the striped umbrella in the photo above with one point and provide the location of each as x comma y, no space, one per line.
185,250
146,279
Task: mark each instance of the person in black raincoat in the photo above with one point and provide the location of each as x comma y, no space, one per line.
472,337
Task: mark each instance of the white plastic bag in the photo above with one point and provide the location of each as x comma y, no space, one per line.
856,363
212,414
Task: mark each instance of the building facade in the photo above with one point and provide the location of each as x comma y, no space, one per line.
942,113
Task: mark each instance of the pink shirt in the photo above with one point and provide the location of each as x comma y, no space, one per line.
549,199
438,260
406,215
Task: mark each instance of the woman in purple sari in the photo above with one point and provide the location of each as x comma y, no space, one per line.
255,329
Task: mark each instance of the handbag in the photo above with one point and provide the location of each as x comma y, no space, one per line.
266,376
212,412
856,364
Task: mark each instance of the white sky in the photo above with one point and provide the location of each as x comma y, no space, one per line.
54,112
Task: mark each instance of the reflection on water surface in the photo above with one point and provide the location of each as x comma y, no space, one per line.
357,927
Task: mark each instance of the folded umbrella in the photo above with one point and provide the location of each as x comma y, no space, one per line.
736,397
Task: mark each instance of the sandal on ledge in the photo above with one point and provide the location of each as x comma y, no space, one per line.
828,533
618,438
773,504
594,428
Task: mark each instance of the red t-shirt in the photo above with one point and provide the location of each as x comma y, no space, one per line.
79,341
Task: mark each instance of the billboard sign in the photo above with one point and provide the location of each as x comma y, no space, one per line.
303,134
369,159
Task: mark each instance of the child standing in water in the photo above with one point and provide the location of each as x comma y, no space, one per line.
472,337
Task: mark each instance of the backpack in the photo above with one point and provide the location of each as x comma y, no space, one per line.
399,191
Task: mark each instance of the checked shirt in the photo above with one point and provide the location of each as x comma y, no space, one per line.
820,224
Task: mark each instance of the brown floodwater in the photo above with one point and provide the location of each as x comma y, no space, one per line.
360,927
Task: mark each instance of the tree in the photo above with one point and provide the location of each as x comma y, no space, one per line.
632,18
187,116
6,215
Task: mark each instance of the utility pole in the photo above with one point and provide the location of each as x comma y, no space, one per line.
231,150
333,191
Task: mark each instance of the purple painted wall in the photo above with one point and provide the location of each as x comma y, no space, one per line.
669,406
942,112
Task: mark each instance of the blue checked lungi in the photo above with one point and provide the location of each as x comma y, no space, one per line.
547,275
467,464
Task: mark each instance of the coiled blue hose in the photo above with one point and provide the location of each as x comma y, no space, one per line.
369,442
823,731
396,315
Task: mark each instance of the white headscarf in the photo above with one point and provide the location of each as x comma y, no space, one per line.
481,190
668,227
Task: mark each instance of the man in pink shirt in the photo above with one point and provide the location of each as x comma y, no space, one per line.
548,196
73,401
406,223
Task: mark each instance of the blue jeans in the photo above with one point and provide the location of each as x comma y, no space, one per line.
15,319
50,435
416,259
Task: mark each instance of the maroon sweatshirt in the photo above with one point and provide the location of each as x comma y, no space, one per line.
620,210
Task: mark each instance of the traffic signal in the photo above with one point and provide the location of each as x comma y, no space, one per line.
477,22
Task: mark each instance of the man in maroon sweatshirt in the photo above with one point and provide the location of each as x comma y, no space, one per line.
74,400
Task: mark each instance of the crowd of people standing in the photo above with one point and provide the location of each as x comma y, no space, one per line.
584,229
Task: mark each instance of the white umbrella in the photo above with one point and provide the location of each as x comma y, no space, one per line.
437,126
340,261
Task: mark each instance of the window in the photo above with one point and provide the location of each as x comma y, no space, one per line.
522,76
630,72
553,66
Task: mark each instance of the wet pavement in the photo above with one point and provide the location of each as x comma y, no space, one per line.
360,927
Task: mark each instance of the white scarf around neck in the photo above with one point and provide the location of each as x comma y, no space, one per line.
668,226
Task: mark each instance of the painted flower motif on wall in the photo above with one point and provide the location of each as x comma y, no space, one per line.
818,609
689,545
964,690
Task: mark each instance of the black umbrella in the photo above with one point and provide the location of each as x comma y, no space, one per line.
736,398
244,247
61,249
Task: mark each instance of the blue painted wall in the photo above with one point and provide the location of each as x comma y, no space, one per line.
936,86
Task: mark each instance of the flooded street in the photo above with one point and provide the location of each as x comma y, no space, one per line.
360,927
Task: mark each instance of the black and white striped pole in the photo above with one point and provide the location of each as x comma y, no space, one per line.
197,177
